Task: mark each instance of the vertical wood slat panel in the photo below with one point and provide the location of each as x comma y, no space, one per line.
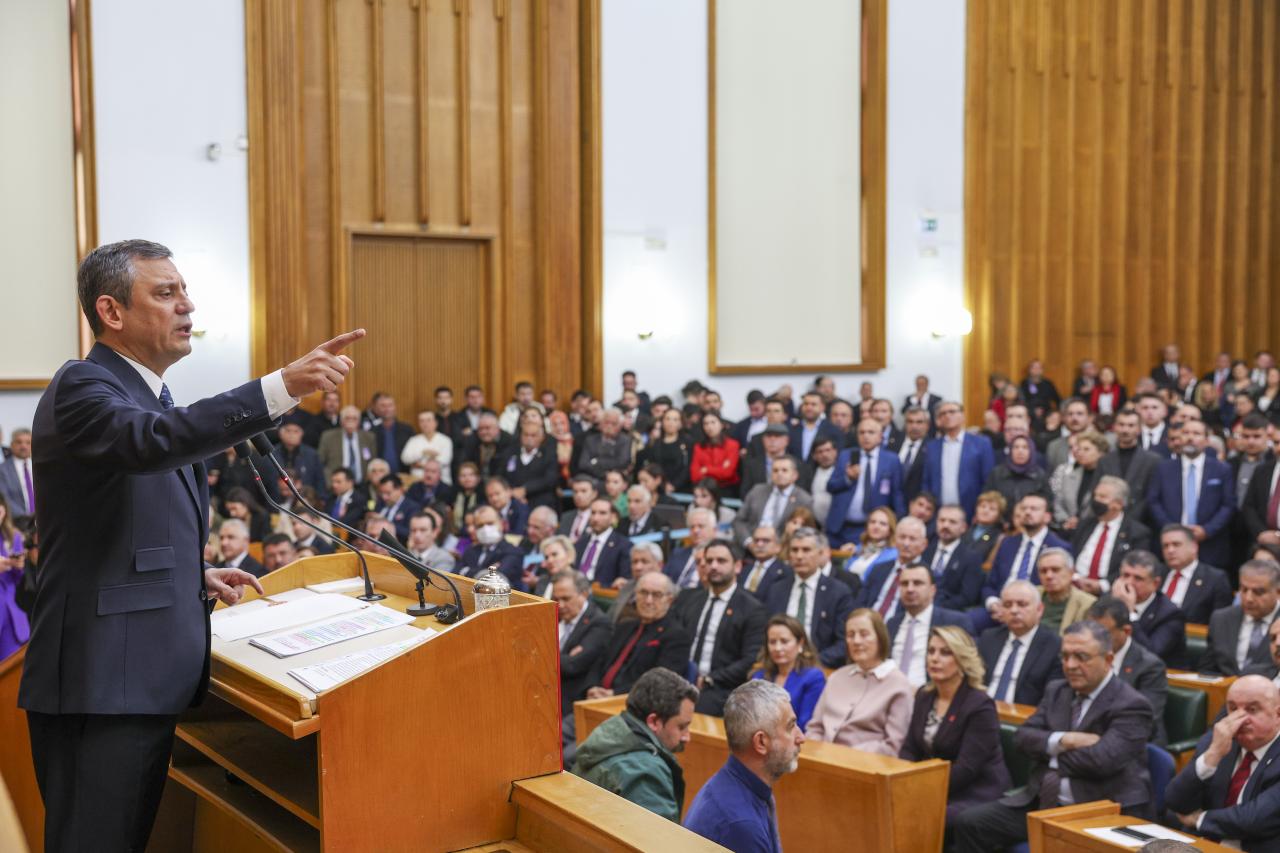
377,96
1144,216
421,90
462,12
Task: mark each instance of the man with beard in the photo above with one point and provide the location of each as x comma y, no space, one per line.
735,807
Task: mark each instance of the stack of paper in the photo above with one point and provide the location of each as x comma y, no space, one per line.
325,676
316,635
261,618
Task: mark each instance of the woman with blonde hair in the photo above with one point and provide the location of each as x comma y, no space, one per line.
873,545
954,719
558,554
866,704
789,660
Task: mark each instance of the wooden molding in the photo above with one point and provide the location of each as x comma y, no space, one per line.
378,98
462,11
592,203
23,384
84,147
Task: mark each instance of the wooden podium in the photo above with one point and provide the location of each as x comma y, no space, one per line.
418,753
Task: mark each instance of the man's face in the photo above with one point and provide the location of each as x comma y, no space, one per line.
1022,608
1035,370
431,473
565,594
950,418
824,455
1141,579
1273,636
330,403
784,743
531,436
916,589
639,501
1016,421
869,434
422,534
765,544
1151,412
497,494
291,436
524,395
864,391
156,327
1261,706
756,410
601,518
475,399
1170,353
720,567
1178,550
349,420
920,508
774,412
487,429
1194,438
1119,633
1106,493
583,495
775,445
642,562
804,557
444,401
826,387
278,554
951,524
1084,662
711,402
783,474
1253,441
611,424
841,416
811,408
1055,576
389,492
1033,512
701,529
882,411
910,541
1257,595
539,528
385,408
628,382
232,541
917,425
674,733
922,384
652,597
339,484
20,445
1076,417
1126,429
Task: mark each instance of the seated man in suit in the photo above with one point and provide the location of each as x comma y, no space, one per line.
1064,603
956,462
1086,741
1237,634
1102,540
727,624
771,503
347,446
1199,589
1130,462
396,507
813,425
584,632
636,646
918,424
530,466
604,554
881,591
1134,664
233,543
424,529
491,547
430,488
1015,559
1197,491
956,568
514,513
821,604
483,446
865,477
1158,624
681,566
278,551
640,518
347,504
1260,512
585,490
917,616
1020,655
1231,791
605,449
764,568
297,457
307,537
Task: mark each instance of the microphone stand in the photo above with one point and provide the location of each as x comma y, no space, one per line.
245,452
447,614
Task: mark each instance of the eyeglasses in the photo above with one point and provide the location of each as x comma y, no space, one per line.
1078,657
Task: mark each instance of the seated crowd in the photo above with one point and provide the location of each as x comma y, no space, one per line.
859,573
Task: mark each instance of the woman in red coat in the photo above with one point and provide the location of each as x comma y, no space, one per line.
716,456
1108,394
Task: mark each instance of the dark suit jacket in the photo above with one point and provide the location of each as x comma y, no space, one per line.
460,425
13,489
1224,635
1040,663
976,462
509,558
968,737
941,617
1214,509
931,403
1147,674
662,643
913,476
249,565
319,544
470,452
120,624
308,470
442,493
825,429
778,572
1256,498
539,478
1254,820
676,562
1141,469
405,511
886,490
831,607
1132,536
401,432
737,641
1002,566
651,524
355,509
580,653
1163,629
1208,590
516,517
960,582
612,561
1114,768
754,472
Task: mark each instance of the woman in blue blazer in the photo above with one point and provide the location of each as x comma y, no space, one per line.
789,659
955,719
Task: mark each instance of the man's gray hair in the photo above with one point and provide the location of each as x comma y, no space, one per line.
1057,552
1119,486
819,538
651,548
581,582
545,513
1026,586
669,586
1267,568
912,521
1093,629
108,271
235,524
753,707
695,511
19,431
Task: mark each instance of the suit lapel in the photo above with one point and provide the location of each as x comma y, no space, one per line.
1250,788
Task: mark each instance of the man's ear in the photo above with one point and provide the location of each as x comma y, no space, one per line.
110,312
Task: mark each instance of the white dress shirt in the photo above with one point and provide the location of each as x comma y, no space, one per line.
234,562
1016,663
1246,630
1085,560
1204,772
821,497
885,587
951,452
1151,436
868,464
717,605
775,506
907,453
915,671
1117,660
1184,581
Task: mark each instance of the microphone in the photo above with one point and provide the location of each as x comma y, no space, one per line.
246,453
446,615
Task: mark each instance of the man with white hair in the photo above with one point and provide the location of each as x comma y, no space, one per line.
640,518
346,445
233,542
605,449
880,592
681,566
735,808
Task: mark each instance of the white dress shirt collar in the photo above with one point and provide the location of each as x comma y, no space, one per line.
154,382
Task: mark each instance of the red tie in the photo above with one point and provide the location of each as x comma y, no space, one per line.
1173,584
1273,509
1238,780
612,673
1096,563
891,594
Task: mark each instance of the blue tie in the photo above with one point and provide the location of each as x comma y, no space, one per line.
1025,566
1189,496
166,399
1006,675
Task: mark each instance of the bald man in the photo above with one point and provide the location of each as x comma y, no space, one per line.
1231,791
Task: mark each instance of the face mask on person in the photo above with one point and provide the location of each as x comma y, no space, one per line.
1099,507
488,534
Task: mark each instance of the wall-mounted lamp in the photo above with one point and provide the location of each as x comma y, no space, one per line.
958,322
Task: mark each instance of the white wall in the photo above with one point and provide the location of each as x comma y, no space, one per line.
654,102
169,79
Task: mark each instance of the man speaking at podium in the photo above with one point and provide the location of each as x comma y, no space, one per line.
120,628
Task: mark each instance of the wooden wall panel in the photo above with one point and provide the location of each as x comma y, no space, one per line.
1120,183
451,120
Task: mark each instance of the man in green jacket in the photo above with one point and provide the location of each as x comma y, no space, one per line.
633,754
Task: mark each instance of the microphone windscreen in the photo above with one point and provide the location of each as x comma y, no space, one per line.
242,449
262,444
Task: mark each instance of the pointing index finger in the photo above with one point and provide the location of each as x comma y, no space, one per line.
341,342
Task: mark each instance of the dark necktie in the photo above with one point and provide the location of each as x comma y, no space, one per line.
1239,779
1006,675
621,660
702,629
166,399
